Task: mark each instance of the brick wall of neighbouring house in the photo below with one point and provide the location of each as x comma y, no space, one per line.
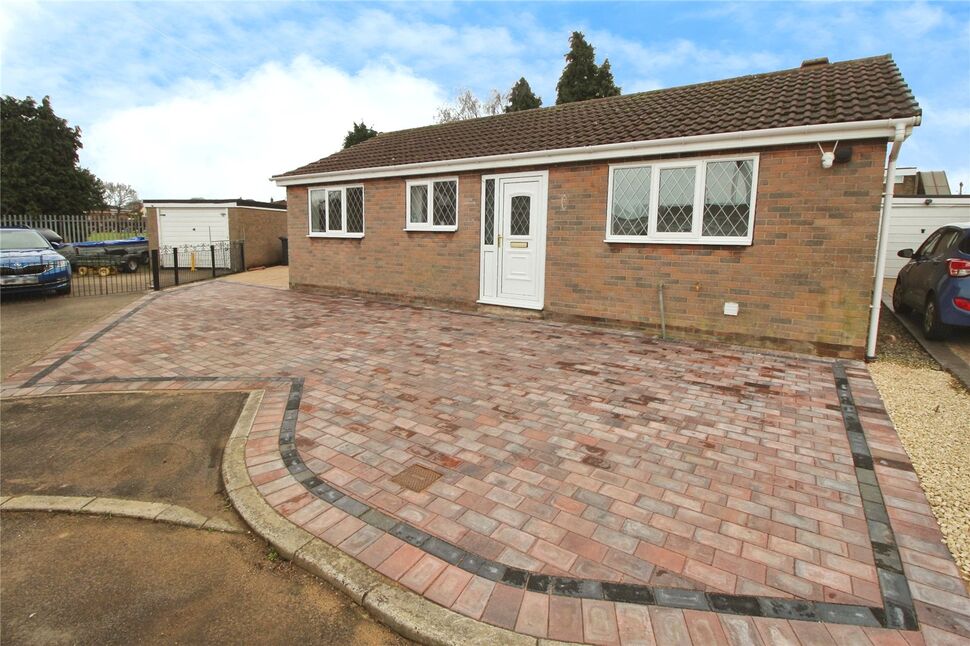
260,229
151,226
803,285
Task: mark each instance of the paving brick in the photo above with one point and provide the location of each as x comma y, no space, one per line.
503,606
669,626
565,619
448,586
533,615
705,628
633,624
599,622
473,599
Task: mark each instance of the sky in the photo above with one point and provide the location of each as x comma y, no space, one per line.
209,99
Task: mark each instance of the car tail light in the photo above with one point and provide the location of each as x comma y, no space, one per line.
958,267
962,304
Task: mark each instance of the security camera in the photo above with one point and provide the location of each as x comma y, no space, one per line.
828,159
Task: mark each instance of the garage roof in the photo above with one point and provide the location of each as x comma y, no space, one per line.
201,201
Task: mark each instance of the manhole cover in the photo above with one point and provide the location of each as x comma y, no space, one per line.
416,478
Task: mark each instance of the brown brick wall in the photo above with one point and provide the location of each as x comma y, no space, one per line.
261,230
803,285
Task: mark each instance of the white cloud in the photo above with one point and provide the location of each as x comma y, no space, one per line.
225,140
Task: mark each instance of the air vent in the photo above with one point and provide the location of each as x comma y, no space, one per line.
812,62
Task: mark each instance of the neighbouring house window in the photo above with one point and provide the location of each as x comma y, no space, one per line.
693,202
337,212
432,205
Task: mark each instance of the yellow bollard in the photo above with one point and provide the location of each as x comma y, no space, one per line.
192,261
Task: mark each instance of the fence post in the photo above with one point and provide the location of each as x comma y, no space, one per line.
242,255
156,278
212,256
175,263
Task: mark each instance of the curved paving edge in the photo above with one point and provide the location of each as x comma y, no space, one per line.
101,506
404,611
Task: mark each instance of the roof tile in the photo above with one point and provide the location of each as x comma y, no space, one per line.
858,90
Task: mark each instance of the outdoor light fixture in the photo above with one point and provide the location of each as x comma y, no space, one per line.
828,158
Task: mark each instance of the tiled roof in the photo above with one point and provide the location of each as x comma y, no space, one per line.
858,90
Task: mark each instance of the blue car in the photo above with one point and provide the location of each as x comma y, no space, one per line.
28,264
936,281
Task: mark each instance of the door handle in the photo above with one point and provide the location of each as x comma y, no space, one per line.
500,239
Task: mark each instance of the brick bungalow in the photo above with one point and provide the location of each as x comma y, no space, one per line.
724,197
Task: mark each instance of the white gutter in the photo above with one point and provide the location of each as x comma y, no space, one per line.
879,129
882,243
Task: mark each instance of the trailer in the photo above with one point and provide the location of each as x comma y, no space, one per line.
106,257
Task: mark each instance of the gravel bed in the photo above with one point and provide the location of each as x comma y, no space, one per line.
930,410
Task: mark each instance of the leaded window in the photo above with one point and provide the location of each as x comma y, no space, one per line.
432,205
696,201
336,211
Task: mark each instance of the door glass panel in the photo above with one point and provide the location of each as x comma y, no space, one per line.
631,201
419,204
675,210
519,219
334,211
490,211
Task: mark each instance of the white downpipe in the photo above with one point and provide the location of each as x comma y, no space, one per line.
883,242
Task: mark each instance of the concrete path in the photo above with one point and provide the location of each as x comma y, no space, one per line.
581,484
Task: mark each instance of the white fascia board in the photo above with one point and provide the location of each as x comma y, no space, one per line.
884,128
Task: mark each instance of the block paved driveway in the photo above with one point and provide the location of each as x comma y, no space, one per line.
595,485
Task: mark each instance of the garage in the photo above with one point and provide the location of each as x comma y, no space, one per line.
239,230
914,218
196,228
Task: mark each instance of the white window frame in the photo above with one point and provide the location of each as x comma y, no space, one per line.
694,236
429,225
342,233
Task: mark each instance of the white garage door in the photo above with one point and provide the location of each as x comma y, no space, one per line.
196,228
913,221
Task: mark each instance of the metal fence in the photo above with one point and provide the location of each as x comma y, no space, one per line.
98,273
188,263
81,228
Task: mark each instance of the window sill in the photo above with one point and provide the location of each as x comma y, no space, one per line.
352,236
713,242
439,229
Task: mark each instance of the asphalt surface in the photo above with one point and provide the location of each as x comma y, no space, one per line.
95,580
140,446
90,580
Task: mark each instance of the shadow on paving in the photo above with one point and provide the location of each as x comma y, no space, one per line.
160,447
89,580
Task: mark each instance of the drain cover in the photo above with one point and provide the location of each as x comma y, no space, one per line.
416,478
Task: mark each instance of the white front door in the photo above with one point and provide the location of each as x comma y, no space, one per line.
513,240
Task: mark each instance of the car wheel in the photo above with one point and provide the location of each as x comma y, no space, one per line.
898,305
143,259
933,328
131,264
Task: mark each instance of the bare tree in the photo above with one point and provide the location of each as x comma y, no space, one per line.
469,106
121,198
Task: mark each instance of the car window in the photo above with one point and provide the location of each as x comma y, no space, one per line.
22,239
927,247
965,243
946,240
